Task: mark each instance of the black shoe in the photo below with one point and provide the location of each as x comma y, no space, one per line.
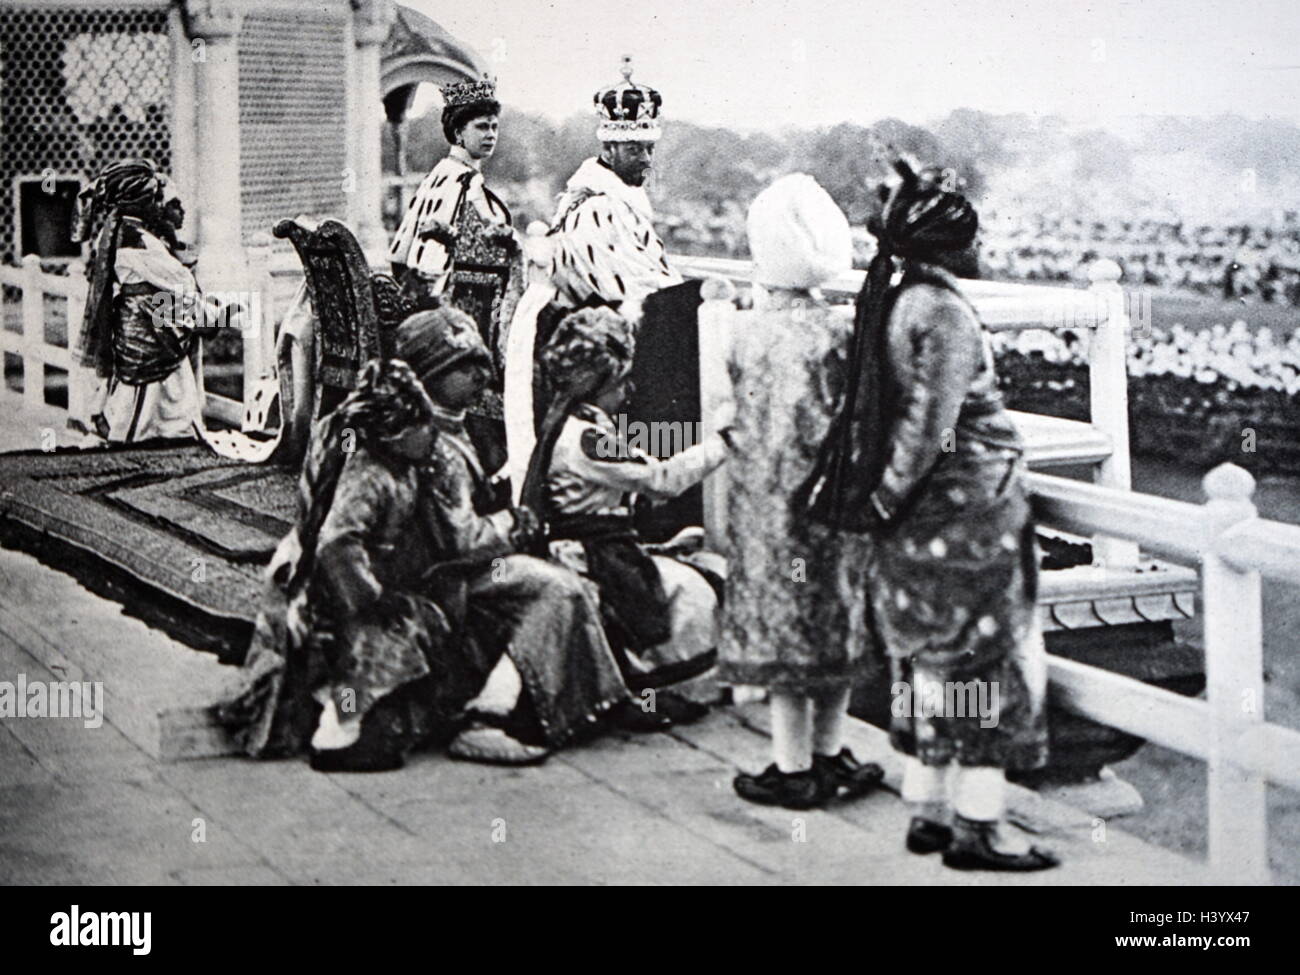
972,849
681,710
360,756
843,771
927,836
772,787
630,716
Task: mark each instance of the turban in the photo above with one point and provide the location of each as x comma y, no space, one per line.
432,342
126,186
798,236
388,401
919,222
590,349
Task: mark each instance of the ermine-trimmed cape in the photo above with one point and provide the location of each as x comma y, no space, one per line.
605,245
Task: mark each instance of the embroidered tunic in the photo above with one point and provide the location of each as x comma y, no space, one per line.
659,611
153,391
794,616
543,615
954,574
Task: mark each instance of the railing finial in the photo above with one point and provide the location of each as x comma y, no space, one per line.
717,288
1104,272
1228,482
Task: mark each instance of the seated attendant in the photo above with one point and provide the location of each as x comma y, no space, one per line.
584,478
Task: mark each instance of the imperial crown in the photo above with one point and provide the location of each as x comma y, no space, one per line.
628,112
465,92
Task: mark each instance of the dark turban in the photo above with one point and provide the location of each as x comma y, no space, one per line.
590,349
131,187
920,223
433,342
388,401
454,117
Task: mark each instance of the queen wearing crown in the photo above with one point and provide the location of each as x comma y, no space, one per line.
456,244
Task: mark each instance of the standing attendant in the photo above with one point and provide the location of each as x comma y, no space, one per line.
795,607
143,310
928,463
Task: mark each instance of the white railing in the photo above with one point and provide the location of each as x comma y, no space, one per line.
30,344
1233,548
37,352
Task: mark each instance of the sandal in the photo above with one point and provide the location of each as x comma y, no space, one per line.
493,746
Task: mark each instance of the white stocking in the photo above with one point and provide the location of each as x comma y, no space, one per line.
791,731
978,792
830,708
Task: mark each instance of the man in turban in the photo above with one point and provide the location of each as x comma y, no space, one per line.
557,674
585,476
143,308
923,458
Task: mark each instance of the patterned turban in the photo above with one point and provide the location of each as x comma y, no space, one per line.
435,341
920,223
127,186
920,219
590,349
388,401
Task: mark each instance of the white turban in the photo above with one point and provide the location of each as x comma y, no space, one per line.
797,235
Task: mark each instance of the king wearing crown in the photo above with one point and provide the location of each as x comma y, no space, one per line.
456,244
605,248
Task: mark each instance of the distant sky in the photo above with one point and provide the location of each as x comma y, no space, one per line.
766,63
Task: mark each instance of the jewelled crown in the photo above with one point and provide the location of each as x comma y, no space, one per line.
467,92
628,112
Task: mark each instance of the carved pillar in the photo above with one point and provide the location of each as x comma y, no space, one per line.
216,24
372,20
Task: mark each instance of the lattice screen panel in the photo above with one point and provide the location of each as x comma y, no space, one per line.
292,117
80,88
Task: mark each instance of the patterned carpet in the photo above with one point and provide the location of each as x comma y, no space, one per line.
180,520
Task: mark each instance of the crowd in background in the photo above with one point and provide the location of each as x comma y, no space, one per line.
1232,261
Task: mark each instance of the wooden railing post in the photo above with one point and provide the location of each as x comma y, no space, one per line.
1234,669
715,322
81,381
33,332
1108,402
256,323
